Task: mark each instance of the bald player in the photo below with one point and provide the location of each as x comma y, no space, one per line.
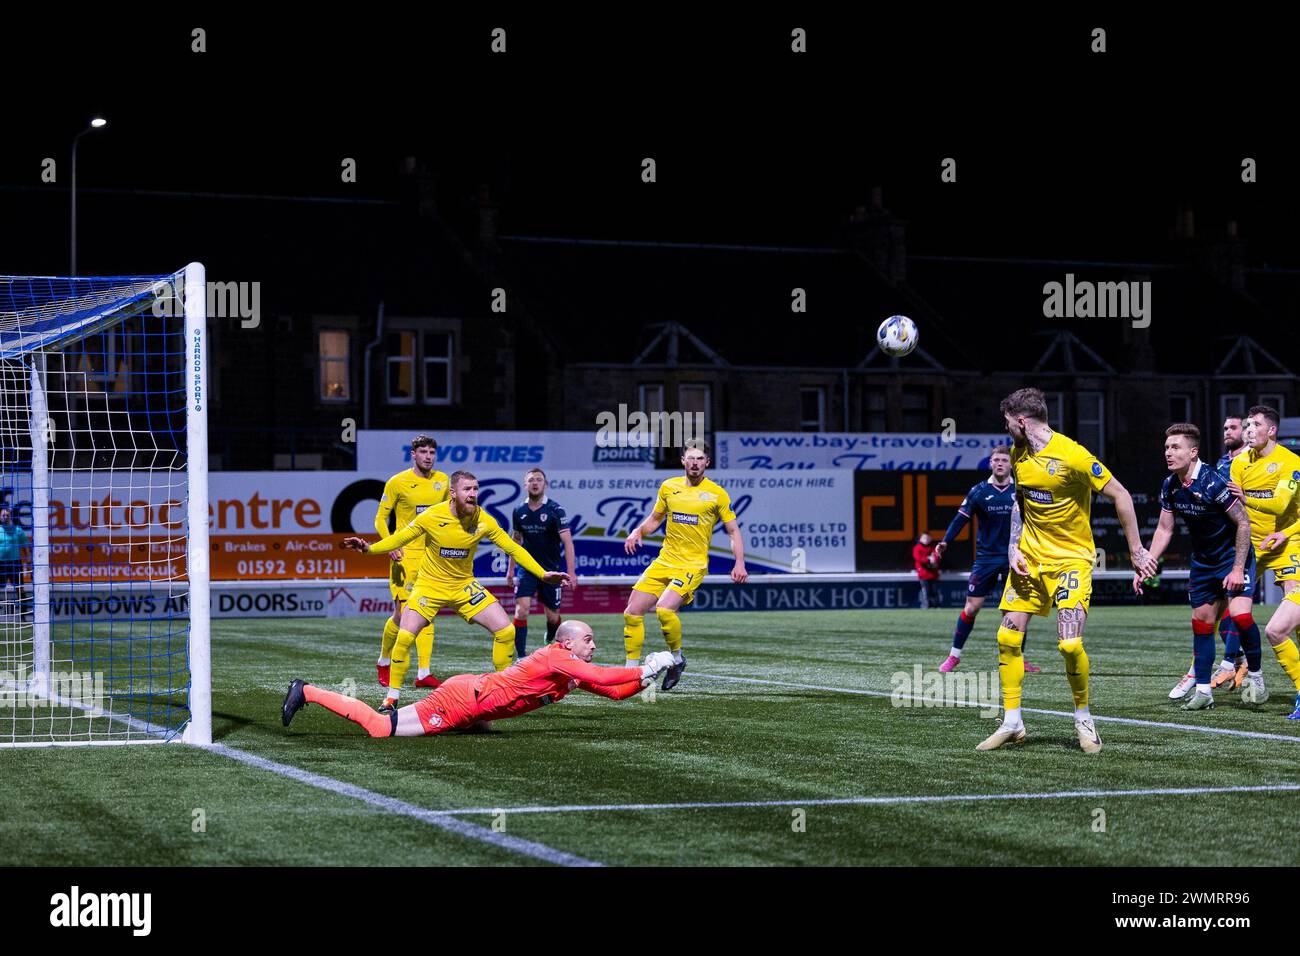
469,702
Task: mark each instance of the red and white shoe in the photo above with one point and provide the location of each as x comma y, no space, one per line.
382,671
428,681
1032,668
1183,686
949,665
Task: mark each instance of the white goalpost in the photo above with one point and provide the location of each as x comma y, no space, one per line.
104,587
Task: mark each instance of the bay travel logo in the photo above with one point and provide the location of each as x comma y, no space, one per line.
1098,300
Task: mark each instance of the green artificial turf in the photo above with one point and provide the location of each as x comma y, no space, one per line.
709,741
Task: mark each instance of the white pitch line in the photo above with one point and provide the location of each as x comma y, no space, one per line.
1228,731
869,801
435,818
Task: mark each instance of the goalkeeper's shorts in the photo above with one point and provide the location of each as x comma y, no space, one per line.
1060,585
466,597
452,706
659,577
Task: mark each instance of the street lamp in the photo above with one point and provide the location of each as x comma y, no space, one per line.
96,123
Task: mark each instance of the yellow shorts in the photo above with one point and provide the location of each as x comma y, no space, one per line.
1293,597
1285,564
658,578
1062,584
466,597
402,574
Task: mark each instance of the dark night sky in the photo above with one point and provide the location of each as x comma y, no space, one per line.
1060,151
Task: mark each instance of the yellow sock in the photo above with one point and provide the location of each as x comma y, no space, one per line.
390,638
503,647
1011,666
424,646
401,659
1076,668
672,627
1289,657
633,636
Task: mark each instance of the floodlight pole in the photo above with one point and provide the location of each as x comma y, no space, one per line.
96,123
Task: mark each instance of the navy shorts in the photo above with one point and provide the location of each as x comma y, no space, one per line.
11,573
1205,584
985,576
528,586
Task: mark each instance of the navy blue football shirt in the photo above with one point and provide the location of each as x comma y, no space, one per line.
1203,503
541,532
992,506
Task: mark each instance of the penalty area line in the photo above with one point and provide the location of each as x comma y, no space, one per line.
1132,721
882,801
434,818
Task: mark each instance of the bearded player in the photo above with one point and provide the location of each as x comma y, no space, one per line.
406,496
451,532
1051,556
990,503
469,702
1222,574
693,505
1266,478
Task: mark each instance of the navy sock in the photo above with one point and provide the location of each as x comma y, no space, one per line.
1202,650
1231,638
550,630
964,625
1250,642
521,639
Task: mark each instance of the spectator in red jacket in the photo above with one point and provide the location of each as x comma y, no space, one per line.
927,571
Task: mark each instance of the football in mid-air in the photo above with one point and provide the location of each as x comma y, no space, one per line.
897,336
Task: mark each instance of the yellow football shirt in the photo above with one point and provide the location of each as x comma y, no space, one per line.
408,495
691,513
449,543
1269,483
1056,487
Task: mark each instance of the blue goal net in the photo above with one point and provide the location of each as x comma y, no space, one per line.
102,475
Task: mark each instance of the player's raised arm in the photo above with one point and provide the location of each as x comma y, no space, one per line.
526,561
1139,556
397,539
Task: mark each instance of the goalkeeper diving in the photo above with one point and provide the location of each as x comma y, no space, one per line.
469,702
451,532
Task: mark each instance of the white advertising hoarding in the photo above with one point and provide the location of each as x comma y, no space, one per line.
903,451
